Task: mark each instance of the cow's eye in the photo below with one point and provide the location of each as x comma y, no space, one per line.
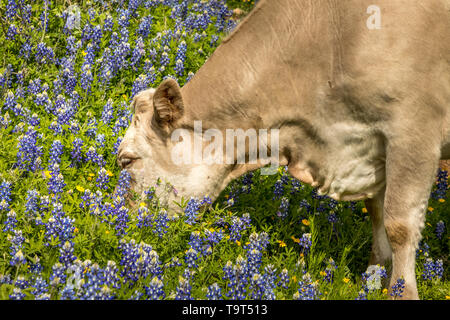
136,120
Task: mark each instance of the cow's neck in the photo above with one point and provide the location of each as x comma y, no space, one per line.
266,75
267,65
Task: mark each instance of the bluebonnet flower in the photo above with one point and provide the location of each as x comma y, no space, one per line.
284,279
5,195
28,156
195,241
68,293
265,284
137,54
93,156
155,289
40,288
424,249
305,243
107,113
11,32
17,294
145,26
441,186
44,204
283,210
86,78
10,100
183,290
44,54
56,183
116,145
189,76
56,127
140,84
108,24
165,60
237,279
432,270
92,126
214,292
4,120
161,225
123,184
138,260
5,279
32,204
58,275
102,179
145,219
372,277
332,217
21,282
111,275
121,223
18,258
397,288
328,274
440,229
191,258
362,295
56,151
238,225
279,186
11,9
213,236
307,289
66,253
192,209
10,222
76,154
34,120
59,226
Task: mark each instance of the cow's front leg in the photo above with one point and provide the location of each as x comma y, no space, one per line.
410,173
381,249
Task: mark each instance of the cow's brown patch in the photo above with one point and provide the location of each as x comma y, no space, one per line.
397,232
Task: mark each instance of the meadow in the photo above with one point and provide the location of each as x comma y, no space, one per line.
67,228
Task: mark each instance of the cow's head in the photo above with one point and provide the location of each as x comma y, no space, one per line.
147,147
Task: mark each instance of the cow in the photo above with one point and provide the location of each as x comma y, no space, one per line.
360,99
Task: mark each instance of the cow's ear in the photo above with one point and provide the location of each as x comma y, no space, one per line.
168,103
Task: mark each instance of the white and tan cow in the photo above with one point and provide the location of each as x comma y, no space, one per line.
362,113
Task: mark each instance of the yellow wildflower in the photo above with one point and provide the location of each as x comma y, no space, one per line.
364,210
47,174
346,280
441,200
430,209
305,222
79,188
238,242
281,242
385,291
296,240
